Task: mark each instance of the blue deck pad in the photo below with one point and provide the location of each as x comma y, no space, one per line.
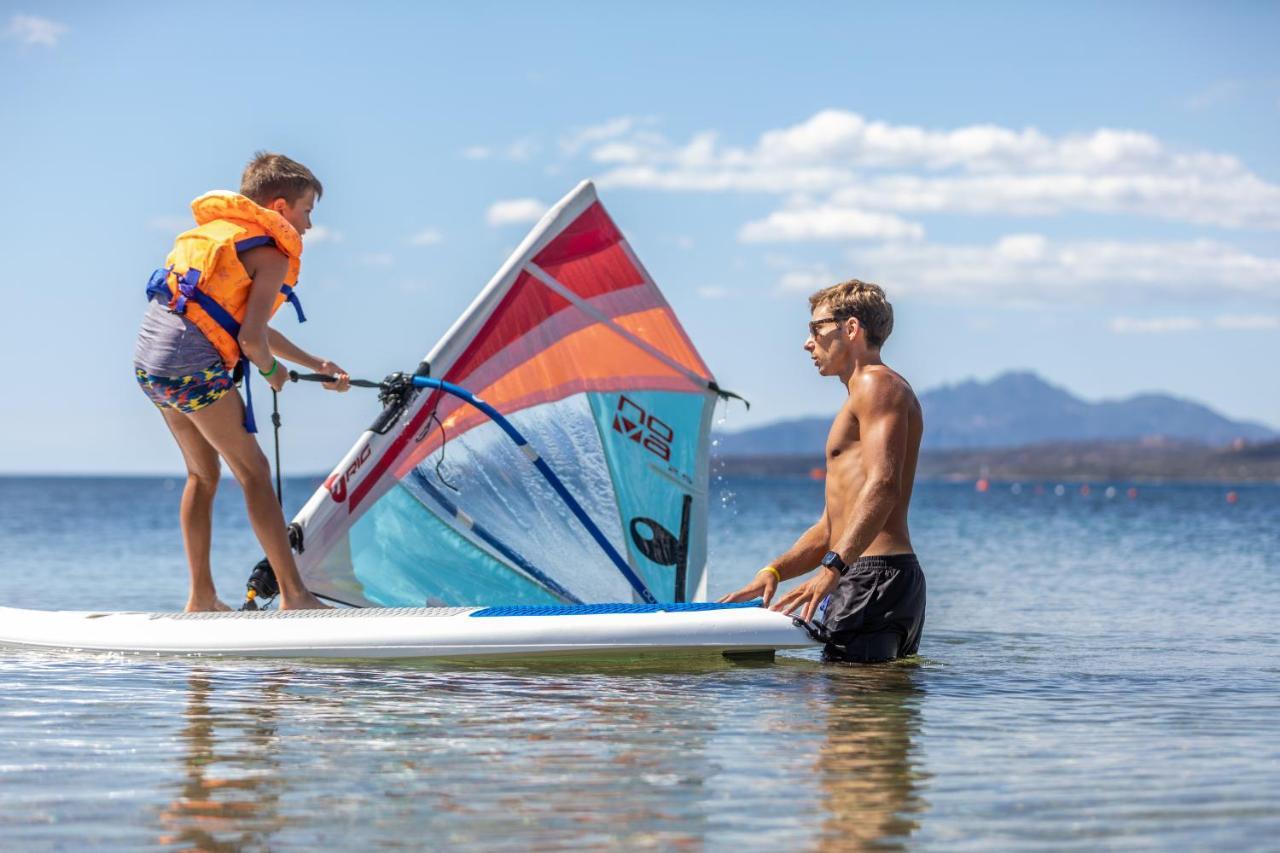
651,441
610,609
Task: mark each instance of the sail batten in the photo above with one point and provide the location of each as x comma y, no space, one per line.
572,345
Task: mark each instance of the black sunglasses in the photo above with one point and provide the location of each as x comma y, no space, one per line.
815,325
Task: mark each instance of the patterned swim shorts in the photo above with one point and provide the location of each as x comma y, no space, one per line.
186,393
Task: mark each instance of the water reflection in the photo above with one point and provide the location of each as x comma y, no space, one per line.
670,755
869,766
229,798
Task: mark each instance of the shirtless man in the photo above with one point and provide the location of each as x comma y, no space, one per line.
877,592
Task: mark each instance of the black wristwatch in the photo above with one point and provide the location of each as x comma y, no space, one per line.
832,561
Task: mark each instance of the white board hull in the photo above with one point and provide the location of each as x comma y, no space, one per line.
406,632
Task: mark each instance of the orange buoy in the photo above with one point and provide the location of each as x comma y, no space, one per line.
817,473
1132,493
982,485
1084,490
1232,497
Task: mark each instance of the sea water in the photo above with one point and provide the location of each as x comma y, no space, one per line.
1097,670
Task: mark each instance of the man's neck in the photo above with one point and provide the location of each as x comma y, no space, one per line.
858,363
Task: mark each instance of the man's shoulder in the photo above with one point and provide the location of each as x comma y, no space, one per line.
880,378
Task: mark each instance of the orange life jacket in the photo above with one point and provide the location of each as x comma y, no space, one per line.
204,280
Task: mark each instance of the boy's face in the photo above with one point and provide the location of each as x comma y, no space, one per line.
297,214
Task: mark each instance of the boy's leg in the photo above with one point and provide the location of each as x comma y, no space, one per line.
196,514
222,425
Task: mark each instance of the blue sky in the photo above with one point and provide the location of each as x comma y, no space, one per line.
1090,191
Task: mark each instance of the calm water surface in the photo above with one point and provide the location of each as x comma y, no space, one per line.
1095,672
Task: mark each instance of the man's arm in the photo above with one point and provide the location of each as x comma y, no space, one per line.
799,558
806,552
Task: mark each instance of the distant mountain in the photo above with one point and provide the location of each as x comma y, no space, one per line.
1017,409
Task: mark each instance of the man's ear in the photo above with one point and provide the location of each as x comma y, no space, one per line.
852,327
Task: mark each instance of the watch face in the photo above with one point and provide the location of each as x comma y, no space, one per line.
832,560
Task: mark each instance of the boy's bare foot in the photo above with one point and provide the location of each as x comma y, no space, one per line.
203,605
306,601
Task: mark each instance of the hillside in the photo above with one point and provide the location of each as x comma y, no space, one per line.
1021,409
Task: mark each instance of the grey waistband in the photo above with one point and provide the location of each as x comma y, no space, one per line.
886,561
171,345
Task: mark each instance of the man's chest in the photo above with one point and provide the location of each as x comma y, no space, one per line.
844,437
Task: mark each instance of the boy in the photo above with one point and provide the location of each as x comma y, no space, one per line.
206,323
876,587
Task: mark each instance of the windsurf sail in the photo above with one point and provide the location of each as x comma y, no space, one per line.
575,364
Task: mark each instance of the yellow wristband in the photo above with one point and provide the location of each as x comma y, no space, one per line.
771,569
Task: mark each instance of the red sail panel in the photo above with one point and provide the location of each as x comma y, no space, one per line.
590,234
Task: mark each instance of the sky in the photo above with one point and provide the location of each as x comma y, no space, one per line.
1090,191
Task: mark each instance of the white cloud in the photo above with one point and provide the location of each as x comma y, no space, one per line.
848,161
713,292
519,151
29,29
1031,269
582,137
829,223
515,211
377,259
1221,92
322,234
426,237
1248,322
1235,200
847,140
1022,247
172,223
1153,325
806,279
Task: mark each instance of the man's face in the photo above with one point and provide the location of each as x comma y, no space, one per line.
297,214
826,339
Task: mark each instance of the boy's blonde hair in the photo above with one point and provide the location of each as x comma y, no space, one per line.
271,176
860,299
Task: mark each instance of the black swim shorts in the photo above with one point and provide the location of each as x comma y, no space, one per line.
876,612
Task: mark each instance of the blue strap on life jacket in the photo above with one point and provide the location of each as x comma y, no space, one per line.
253,243
158,285
292,299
